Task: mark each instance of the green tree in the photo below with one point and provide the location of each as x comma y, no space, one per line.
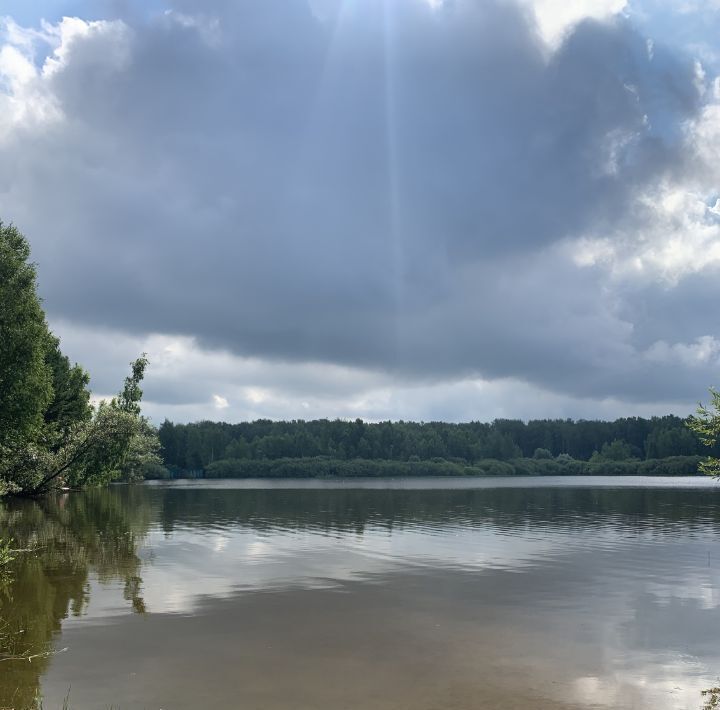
71,397
675,441
143,454
500,446
91,452
49,434
25,375
618,450
237,449
541,453
706,425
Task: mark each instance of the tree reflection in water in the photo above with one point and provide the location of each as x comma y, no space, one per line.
63,540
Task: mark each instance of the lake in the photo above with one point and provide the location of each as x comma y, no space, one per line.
390,594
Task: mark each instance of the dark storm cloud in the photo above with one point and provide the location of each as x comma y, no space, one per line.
676,312
380,188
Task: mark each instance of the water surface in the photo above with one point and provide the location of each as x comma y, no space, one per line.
401,593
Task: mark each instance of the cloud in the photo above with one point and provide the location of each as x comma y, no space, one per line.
220,402
428,194
556,18
184,380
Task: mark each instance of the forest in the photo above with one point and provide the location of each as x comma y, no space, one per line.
633,445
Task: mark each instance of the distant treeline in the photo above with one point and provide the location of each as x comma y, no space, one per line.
220,449
321,467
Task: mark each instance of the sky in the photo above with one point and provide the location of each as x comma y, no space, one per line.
387,209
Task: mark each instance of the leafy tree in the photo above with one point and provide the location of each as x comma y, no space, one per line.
143,454
129,399
49,434
541,453
116,441
25,376
193,445
670,441
706,424
500,446
237,449
71,397
617,450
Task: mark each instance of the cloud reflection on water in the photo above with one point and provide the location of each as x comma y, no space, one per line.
540,597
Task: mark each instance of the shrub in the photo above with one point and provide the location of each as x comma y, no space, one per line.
542,454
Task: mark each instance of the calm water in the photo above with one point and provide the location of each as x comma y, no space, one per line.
386,594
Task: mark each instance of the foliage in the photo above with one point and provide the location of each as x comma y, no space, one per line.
50,436
617,450
71,397
195,447
129,399
706,426
671,441
541,453
711,698
25,378
114,441
669,466
320,467
237,449
142,459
